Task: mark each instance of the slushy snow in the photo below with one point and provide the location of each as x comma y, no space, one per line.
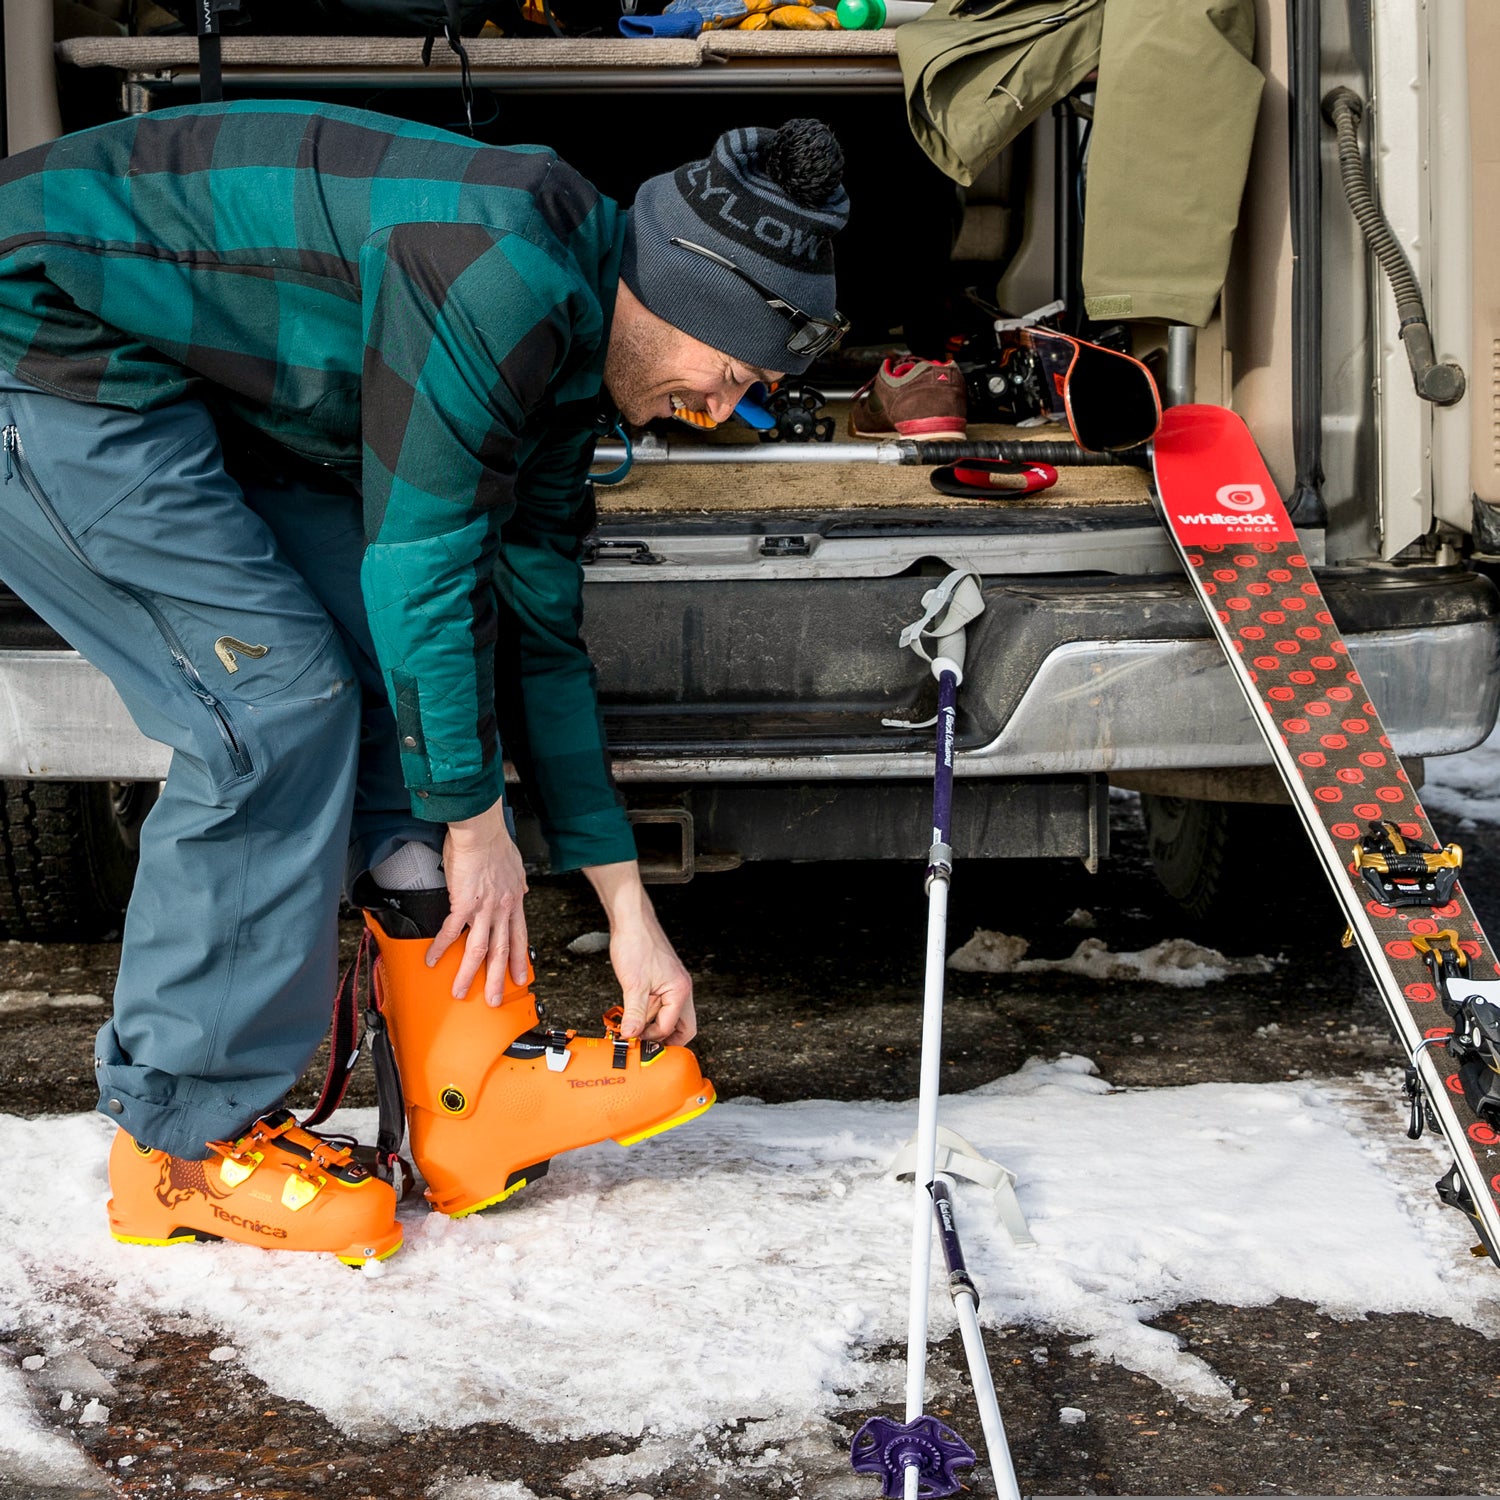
753,1264
1173,961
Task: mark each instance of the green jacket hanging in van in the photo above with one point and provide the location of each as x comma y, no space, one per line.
1175,107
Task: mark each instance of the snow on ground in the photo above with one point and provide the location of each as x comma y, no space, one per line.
748,1264
28,1449
1174,961
475,1488
1465,787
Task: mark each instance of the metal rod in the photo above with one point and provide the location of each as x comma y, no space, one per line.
966,1304
1304,42
1065,217
659,452
32,112
4,105
939,870
853,80
910,454
1182,360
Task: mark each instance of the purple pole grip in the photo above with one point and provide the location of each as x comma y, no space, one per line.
942,785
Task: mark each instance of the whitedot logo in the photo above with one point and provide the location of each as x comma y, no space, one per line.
1241,497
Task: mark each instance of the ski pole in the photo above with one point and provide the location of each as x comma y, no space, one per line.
939,873
966,1304
903,453
917,1458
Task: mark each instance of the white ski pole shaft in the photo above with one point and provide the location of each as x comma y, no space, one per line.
966,1304
921,1228
939,869
1001,1467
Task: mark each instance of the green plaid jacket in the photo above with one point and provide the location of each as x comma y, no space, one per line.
424,313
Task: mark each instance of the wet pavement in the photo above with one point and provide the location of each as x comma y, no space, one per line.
807,978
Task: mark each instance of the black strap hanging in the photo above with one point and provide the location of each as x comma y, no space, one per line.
344,1042
210,61
345,1048
392,1126
453,35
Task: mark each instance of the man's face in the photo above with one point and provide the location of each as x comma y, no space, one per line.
652,368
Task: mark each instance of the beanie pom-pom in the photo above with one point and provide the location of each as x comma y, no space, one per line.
806,162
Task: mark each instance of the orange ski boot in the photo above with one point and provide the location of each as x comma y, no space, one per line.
491,1094
278,1186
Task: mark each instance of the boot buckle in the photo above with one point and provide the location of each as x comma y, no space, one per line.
298,1191
235,1167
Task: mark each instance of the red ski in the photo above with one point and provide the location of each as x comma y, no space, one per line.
1434,967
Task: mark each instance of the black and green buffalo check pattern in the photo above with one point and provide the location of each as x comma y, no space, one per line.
419,311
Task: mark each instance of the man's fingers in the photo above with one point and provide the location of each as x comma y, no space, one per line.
635,1002
520,947
448,934
502,954
664,1022
507,946
476,946
681,1035
494,974
496,939
486,885
673,1023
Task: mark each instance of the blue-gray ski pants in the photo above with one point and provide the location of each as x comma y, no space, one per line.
124,532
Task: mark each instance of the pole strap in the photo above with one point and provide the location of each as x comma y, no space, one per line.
937,635
957,1158
344,1041
946,610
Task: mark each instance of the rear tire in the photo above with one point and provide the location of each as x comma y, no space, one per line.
1233,865
68,855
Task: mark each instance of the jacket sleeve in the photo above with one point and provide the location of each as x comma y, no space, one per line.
464,325
558,743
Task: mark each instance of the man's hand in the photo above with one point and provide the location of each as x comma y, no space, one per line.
656,989
486,884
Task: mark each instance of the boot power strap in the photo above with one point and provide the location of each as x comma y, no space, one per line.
344,1041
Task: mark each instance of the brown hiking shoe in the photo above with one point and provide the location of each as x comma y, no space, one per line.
912,398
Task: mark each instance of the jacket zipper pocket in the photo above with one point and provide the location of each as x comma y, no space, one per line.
15,461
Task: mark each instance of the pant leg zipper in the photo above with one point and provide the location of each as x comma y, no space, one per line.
15,461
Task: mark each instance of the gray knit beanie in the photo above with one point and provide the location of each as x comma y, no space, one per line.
768,200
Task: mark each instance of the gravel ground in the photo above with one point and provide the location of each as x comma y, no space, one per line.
806,982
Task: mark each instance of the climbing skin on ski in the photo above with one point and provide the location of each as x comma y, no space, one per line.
1434,968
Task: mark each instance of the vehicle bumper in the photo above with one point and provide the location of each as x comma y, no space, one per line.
792,680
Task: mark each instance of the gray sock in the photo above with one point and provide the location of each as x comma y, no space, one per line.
413,867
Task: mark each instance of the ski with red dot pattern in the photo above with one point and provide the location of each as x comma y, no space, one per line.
1434,967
